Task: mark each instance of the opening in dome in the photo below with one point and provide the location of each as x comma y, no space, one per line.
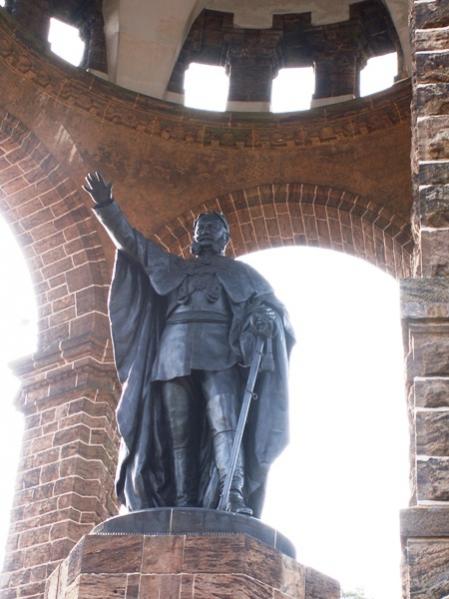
206,87
293,89
65,41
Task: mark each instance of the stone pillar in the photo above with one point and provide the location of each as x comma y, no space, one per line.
425,307
252,63
337,78
91,28
66,471
229,566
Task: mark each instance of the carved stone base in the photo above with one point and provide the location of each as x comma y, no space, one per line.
226,565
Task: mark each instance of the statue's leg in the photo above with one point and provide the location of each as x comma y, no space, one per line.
221,390
181,413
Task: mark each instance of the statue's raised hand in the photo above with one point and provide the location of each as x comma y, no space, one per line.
98,189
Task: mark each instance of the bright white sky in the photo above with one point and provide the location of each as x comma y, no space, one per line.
337,490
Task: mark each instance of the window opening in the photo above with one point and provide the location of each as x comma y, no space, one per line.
293,89
65,41
206,87
378,74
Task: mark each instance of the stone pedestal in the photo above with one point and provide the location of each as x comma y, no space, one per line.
203,565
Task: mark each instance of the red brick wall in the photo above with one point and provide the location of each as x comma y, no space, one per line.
302,214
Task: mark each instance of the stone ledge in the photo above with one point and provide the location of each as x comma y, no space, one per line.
424,522
194,521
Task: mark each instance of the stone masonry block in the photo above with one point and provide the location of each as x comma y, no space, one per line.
427,562
431,14
228,566
433,137
435,253
425,298
431,392
433,479
434,173
434,205
427,40
432,68
432,99
432,432
430,353
425,521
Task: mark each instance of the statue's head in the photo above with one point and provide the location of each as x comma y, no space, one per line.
210,233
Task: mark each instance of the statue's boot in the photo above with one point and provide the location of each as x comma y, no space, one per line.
223,450
185,478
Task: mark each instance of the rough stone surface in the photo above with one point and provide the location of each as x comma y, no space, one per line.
433,479
433,137
432,99
428,564
430,353
432,432
431,392
431,39
434,203
425,521
431,15
435,253
425,298
225,566
432,67
425,530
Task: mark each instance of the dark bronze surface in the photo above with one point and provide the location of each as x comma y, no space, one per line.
184,334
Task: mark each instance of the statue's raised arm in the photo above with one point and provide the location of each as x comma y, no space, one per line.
125,237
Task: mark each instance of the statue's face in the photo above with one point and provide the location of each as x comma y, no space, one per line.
210,232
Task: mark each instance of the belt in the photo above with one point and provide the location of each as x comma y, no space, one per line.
198,316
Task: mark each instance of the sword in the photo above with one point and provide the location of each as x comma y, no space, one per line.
248,396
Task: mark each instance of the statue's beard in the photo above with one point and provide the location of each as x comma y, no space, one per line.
215,247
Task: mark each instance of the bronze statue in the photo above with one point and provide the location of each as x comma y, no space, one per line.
184,333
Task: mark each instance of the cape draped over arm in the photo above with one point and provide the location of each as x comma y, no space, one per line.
136,314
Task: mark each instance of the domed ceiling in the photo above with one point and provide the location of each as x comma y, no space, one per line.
149,43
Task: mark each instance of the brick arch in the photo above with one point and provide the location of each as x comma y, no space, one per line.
303,214
56,232
69,388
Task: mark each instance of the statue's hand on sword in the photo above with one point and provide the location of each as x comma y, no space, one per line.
262,322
